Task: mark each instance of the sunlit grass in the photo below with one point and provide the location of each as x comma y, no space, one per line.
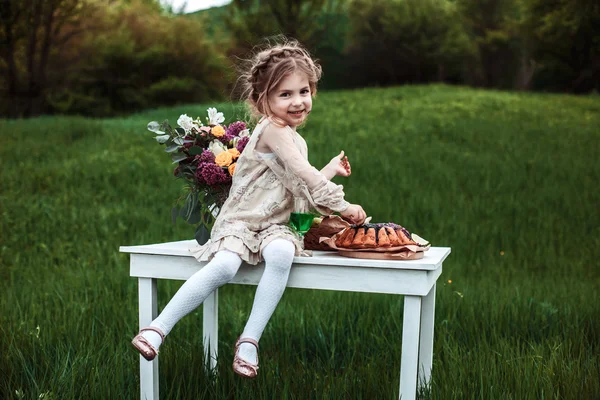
508,180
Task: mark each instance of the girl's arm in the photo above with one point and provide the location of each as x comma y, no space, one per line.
298,175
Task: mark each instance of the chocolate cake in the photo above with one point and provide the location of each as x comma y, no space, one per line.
370,236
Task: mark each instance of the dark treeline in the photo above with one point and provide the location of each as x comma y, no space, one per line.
108,57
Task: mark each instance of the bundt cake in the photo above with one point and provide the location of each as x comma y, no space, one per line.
369,236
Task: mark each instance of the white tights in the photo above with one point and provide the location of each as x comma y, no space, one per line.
278,256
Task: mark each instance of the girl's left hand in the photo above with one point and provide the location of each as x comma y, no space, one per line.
340,165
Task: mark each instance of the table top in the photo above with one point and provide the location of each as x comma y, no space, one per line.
432,259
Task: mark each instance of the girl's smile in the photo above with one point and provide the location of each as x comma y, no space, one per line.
291,100
297,114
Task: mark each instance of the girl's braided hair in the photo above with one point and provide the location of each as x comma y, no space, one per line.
263,72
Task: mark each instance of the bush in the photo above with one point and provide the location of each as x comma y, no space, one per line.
174,90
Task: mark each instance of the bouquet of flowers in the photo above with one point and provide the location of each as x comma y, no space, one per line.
206,157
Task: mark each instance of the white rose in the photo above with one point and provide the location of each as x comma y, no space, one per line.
244,133
185,122
214,117
217,147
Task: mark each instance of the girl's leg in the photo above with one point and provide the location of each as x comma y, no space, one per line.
220,270
278,256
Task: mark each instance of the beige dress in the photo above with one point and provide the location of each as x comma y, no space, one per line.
260,201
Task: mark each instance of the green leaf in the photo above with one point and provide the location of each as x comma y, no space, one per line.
162,138
202,234
181,131
191,209
155,127
176,157
195,150
189,168
172,148
207,216
195,215
185,210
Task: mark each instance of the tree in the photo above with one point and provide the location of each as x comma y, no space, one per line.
320,25
256,19
564,37
32,31
493,27
103,57
393,42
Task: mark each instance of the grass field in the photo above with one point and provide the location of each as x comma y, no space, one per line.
508,180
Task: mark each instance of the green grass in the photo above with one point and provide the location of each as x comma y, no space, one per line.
508,180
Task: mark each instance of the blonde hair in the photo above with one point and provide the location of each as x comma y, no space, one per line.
265,70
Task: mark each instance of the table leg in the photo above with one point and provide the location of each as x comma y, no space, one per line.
426,340
210,329
410,347
147,312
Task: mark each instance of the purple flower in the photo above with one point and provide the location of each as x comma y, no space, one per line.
242,144
226,138
199,177
212,174
207,156
235,128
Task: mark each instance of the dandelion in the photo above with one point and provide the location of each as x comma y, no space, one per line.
449,280
501,252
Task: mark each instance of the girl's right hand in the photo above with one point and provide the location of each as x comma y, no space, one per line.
355,214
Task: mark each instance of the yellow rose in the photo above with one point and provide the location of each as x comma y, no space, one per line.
231,169
224,159
218,131
234,152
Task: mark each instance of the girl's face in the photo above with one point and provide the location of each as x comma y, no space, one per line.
291,100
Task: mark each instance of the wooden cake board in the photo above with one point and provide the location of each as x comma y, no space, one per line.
406,255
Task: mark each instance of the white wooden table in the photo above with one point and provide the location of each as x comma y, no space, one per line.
415,279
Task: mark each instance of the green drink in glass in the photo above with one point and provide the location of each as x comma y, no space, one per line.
301,222
300,219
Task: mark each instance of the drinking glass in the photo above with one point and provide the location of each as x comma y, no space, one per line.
301,218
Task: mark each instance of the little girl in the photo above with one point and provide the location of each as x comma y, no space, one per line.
253,223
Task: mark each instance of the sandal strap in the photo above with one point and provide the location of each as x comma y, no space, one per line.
143,340
152,328
240,362
247,340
